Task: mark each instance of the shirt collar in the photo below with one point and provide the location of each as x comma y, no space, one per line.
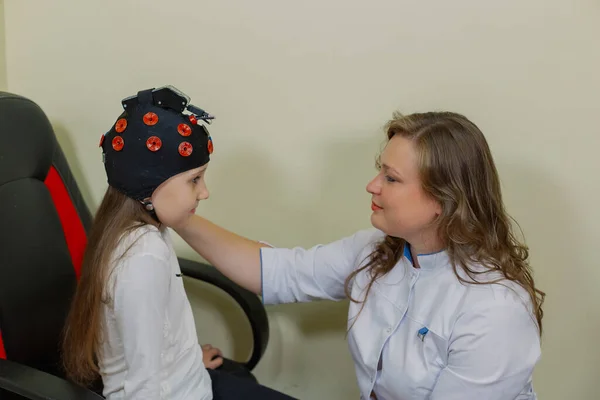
427,261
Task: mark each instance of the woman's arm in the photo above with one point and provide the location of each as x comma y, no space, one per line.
301,275
236,257
286,275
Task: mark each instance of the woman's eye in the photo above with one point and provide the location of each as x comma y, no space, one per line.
389,178
195,180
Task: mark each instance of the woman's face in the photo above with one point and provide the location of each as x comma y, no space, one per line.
400,206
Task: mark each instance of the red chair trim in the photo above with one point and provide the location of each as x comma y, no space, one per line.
72,227
2,351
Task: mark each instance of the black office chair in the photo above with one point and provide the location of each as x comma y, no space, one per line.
43,229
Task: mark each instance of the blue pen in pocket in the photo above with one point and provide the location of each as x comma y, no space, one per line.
422,332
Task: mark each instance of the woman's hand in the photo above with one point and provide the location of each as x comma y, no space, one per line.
211,356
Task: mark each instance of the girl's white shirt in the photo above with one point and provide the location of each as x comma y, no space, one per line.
149,347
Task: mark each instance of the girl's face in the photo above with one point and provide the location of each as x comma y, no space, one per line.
177,198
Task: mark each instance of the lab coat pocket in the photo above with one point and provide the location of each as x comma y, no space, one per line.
419,353
430,350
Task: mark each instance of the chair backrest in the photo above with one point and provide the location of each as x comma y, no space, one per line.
43,225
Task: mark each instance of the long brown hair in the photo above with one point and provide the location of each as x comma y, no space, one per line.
457,169
117,215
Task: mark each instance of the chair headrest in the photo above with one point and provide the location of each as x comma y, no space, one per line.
27,140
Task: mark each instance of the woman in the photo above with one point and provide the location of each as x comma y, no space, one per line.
444,305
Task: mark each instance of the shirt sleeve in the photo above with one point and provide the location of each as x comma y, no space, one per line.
300,275
141,295
492,353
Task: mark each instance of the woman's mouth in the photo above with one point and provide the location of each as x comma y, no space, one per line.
375,207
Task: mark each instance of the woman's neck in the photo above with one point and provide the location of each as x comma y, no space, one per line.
425,244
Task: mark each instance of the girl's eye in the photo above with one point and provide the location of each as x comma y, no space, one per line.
389,179
196,179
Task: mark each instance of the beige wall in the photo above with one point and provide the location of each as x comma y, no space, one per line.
300,90
2,49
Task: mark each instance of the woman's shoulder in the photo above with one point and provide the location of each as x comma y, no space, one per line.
356,246
490,284
496,297
351,244
365,238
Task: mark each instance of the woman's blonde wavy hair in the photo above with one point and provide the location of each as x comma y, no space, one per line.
457,169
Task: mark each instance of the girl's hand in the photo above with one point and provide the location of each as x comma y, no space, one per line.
211,356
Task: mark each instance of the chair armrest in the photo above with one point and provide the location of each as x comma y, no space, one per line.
33,384
250,303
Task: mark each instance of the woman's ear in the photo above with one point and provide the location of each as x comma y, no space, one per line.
438,208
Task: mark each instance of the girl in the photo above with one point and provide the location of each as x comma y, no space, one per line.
131,321
443,302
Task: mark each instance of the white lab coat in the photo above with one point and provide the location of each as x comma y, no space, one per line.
481,342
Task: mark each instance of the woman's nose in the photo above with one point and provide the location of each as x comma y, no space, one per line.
374,186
